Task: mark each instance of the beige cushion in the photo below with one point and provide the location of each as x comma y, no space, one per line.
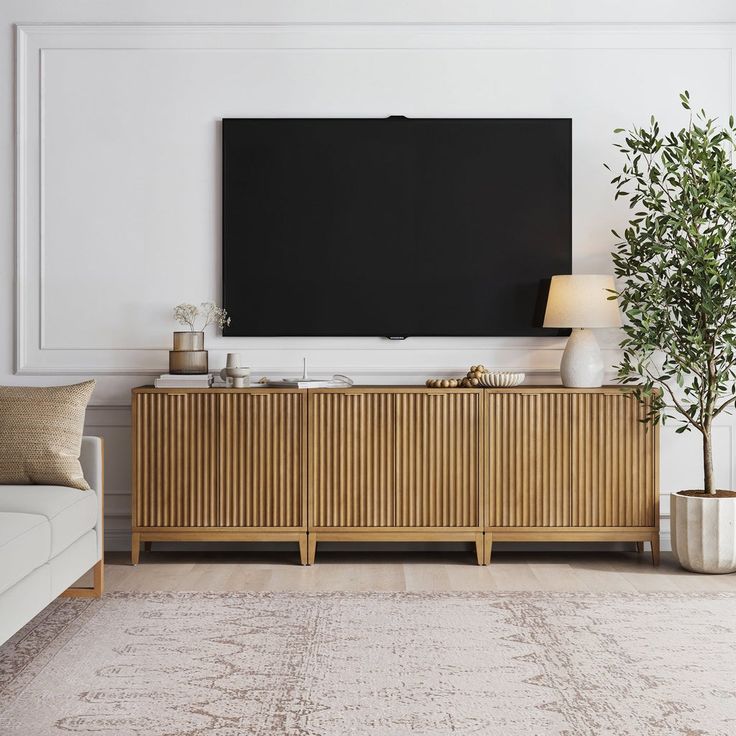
41,434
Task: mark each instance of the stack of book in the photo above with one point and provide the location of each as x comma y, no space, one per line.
174,380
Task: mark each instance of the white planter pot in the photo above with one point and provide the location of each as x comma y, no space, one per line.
704,533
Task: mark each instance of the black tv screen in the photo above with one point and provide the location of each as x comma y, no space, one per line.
394,227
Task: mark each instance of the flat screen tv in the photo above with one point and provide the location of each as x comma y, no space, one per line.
394,227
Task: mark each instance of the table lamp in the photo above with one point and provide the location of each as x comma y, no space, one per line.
581,301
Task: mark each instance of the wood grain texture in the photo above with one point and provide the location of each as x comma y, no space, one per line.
261,460
96,590
529,459
437,569
175,474
397,534
613,476
437,469
352,459
393,463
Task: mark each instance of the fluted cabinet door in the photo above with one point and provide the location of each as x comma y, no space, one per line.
261,457
613,456
528,460
351,459
437,482
176,460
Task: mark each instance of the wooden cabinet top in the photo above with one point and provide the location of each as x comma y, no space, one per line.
400,389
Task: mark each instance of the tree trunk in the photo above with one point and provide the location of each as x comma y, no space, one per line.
708,459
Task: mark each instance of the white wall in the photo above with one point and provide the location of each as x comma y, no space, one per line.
117,207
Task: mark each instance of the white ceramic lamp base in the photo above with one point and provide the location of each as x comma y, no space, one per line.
582,362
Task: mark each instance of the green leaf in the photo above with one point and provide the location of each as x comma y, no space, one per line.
675,264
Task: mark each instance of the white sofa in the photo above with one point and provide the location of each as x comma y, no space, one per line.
49,537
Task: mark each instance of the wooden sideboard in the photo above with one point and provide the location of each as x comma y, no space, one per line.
393,464
574,465
219,465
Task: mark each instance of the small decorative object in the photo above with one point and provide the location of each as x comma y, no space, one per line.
189,355
338,380
471,380
582,301
501,379
170,380
239,375
478,377
473,376
676,263
443,383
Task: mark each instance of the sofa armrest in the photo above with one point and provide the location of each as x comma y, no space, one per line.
90,458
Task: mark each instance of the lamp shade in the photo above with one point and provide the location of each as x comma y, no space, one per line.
581,300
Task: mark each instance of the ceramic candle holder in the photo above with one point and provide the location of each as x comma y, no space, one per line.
239,377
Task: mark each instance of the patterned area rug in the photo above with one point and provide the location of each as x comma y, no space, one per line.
385,664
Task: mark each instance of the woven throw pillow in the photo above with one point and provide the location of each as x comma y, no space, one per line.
41,434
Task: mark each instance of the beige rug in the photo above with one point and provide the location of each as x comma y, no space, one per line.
291,664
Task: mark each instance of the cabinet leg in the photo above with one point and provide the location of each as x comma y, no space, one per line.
655,551
639,546
135,548
487,545
311,549
303,551
479,548
147,546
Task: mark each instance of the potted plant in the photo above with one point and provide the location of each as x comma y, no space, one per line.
676,265
189,355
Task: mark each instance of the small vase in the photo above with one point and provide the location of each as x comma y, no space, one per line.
188,356
189,340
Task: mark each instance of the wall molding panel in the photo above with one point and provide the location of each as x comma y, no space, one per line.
65,72
118,182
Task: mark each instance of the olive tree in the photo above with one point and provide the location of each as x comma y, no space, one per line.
676,271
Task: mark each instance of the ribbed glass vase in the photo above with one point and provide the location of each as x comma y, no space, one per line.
189,340
188,356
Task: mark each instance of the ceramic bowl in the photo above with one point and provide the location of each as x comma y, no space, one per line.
501,379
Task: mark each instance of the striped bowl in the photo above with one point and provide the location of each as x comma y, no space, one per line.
501,379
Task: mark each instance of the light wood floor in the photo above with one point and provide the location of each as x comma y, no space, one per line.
406,571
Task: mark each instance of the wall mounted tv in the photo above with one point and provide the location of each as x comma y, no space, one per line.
394,227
